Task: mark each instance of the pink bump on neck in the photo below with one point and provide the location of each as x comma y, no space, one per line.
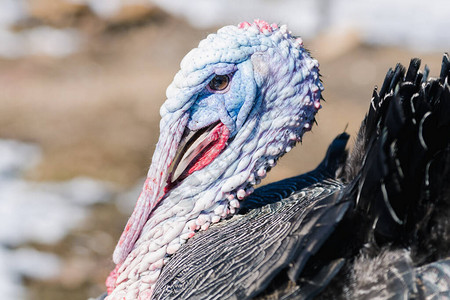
111,280
262,25
244,25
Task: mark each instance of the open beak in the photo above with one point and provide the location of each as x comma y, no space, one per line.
197,150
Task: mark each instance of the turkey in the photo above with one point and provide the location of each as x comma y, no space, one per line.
370,223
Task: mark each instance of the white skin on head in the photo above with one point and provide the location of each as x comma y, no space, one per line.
272,97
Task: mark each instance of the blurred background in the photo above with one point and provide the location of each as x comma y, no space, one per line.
81,82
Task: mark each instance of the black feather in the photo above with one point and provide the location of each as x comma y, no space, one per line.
403,194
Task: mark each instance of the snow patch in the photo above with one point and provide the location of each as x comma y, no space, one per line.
42,40
39,212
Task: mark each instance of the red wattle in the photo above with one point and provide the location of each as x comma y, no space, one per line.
111,280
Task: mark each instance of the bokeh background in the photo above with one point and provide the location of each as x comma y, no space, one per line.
81,82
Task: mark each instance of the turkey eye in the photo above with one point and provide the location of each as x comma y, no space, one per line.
219,83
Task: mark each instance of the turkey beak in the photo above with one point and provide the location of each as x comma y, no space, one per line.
192,143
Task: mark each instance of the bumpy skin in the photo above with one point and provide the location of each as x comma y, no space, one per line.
271,101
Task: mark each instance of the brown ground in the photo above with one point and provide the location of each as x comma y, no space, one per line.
96,114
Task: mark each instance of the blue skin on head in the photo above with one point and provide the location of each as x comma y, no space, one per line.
230,107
